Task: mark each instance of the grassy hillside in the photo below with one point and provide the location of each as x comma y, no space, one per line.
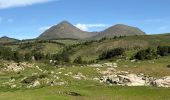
90,51
46,47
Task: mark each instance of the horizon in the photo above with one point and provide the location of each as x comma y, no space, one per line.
27,19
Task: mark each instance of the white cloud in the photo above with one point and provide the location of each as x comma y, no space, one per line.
20,3
86,27
82,27
44,28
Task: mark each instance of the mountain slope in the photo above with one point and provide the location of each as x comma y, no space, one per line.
65,30
119,30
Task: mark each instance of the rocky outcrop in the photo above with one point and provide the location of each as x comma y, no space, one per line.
162,82
16,67
115,77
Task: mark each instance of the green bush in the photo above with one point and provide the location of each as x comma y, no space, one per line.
78,60
163,50
147,54
111,53
30,79
168,66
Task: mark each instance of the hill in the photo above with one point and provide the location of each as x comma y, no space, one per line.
119,30
6,39
91,50
65,30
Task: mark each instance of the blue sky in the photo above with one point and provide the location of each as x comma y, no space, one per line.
24,19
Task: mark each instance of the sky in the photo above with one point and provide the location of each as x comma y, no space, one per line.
25,19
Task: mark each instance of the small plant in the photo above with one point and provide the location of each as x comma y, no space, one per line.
168,66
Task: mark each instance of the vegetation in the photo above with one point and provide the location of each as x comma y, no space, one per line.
163,50
78,60
111,53
147,54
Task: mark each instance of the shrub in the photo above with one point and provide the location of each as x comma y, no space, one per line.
29,80
163,50
111,53
168,66
63,56
78,60
147,54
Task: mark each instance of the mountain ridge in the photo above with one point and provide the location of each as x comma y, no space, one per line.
66,30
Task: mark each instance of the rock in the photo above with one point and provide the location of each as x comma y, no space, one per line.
134,80
70,73
108,64
162,82
13,86
96,79
97,69
33,74
109,71
51,61
16,67
36,83
96,65
52,72
66,74
12,80
134,60
45,71
39,68
79,76
60,83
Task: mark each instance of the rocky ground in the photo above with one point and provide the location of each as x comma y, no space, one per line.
107,74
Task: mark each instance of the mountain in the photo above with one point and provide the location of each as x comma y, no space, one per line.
119,30
65,30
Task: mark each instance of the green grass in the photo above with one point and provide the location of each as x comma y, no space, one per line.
88,89
88,92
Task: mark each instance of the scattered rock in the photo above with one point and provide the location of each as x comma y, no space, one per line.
36,83
13,86
162,82
73,94
79,76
